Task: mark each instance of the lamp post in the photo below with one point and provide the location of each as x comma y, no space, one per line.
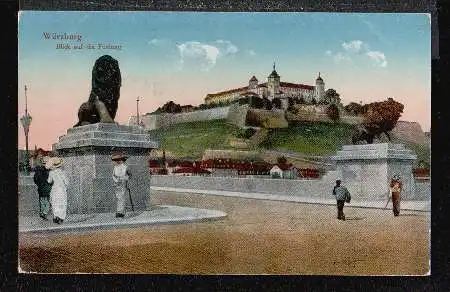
137,111
26,121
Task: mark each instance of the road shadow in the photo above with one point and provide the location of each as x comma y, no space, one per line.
354,218
411,215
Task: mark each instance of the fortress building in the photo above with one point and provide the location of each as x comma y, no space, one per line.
271,89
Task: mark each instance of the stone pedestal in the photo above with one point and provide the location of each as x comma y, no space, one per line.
86,152
367,170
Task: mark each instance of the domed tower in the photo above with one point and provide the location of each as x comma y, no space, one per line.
320,89
253,83
273,83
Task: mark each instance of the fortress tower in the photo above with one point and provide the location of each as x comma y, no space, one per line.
320,89
273,83
253,83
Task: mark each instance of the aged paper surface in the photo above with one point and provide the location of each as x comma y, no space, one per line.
212,143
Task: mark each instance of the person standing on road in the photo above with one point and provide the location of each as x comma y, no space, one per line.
44,188
396,189
342,195
58,194
121,175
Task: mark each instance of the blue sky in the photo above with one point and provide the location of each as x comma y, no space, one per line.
182,56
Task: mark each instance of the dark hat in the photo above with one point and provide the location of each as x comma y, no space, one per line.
118,156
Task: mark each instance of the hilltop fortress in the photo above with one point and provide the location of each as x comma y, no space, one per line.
271,89
313,109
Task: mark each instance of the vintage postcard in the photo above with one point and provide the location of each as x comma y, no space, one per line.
224,143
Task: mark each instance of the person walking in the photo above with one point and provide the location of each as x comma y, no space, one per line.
342,196
396,189
58,194
40,179
121,175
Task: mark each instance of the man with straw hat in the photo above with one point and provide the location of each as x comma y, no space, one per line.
396,188
58,194
121,175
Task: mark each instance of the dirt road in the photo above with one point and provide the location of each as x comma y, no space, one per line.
257,237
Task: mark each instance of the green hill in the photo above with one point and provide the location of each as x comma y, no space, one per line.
311,138
189,140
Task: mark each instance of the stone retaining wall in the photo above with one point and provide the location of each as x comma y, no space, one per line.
28,197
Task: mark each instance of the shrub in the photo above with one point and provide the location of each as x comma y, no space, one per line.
333,112
276,102
252,119
246,133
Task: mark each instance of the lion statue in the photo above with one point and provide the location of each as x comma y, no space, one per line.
103,100
365,135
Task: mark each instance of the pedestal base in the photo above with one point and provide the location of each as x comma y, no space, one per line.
367,170
86,152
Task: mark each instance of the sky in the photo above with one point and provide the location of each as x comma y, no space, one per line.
182,56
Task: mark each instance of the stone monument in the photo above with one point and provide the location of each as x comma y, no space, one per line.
366,170
86,148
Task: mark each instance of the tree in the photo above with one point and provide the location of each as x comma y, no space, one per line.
267,103
354,108
332,96
381,117
170,107
281,160
256,102
276,102
333,112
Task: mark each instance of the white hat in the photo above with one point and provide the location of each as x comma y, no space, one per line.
53,163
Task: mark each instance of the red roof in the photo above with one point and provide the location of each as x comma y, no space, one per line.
209,95
296,85
153,163
190,170
249,93
284,166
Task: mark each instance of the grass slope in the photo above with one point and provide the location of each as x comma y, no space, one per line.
311,138
189,140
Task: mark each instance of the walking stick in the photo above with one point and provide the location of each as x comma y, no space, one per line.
387,203
129,193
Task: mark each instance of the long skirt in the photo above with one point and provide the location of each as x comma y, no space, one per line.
120,196
58,199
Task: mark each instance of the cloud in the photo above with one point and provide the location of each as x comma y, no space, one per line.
337,57
228,48
205,54
378,57
372,28
250,52
353,46
353,49
157,42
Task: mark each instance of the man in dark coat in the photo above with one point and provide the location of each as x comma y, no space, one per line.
44,188
396,188
342,195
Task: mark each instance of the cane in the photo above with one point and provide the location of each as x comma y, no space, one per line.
129,193
387,203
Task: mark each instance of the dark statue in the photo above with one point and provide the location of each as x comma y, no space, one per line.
103,100
363,134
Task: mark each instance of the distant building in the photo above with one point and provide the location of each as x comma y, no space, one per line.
286,171
271,89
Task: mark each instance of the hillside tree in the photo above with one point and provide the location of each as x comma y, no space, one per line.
332,96
333,112
381,117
